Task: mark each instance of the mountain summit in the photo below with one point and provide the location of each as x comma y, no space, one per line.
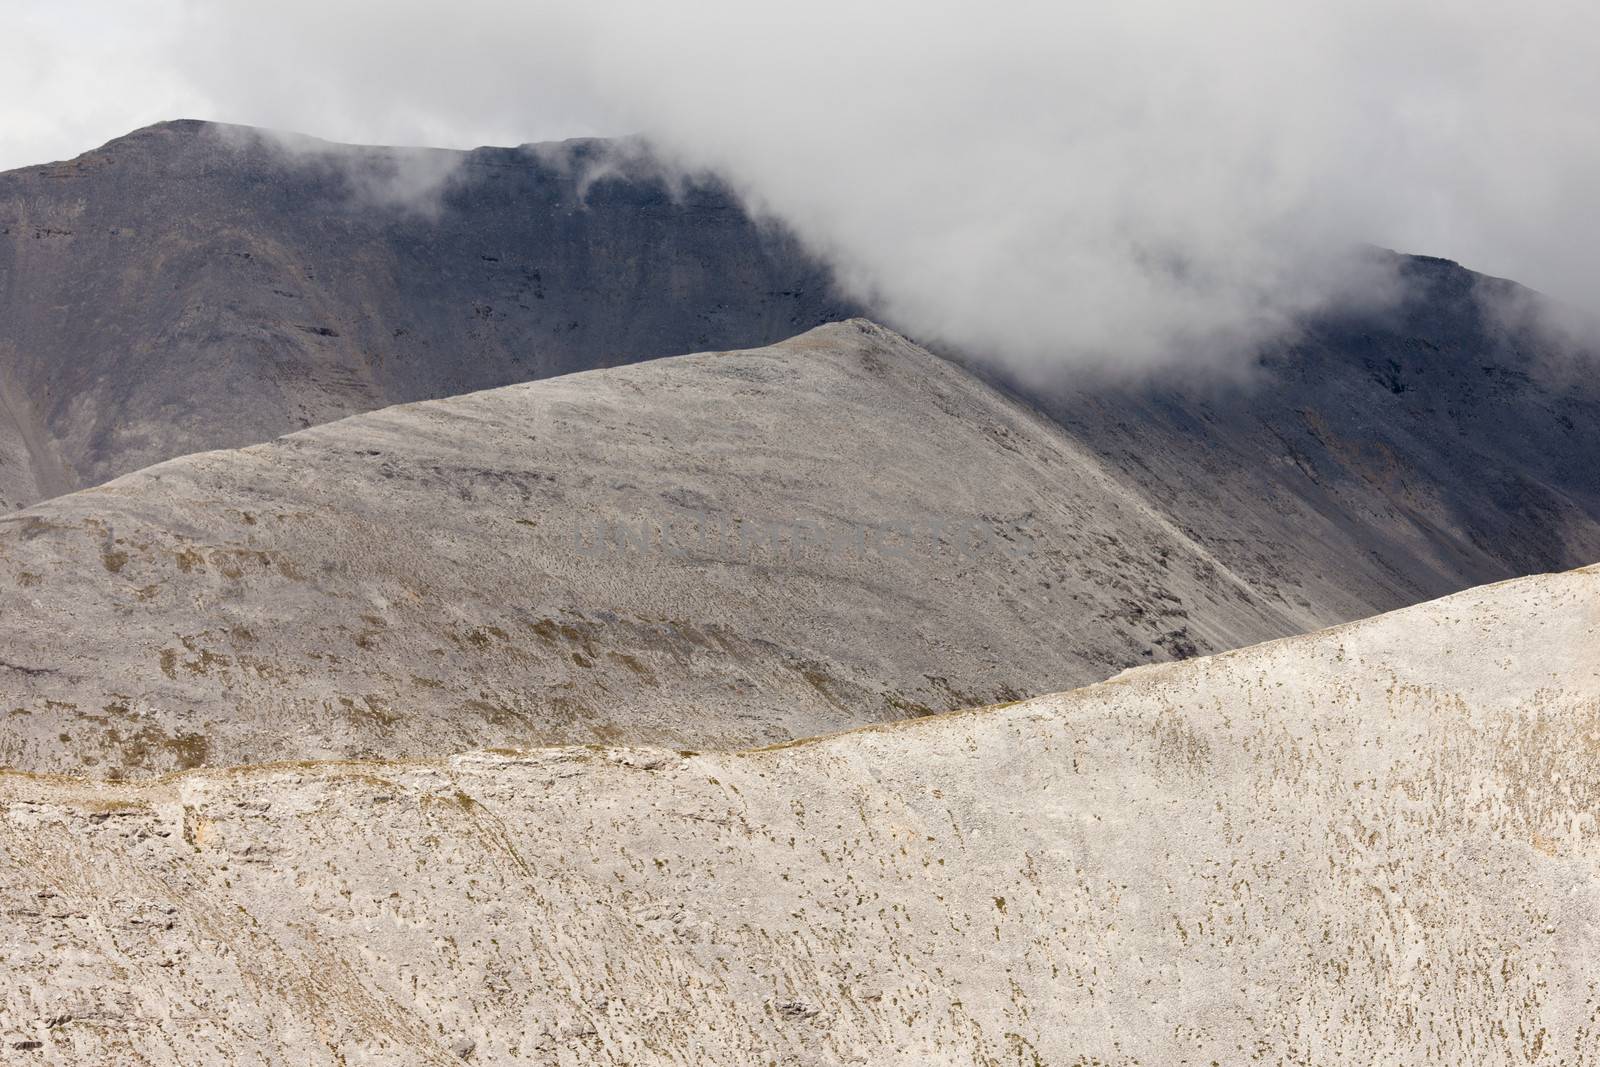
195,286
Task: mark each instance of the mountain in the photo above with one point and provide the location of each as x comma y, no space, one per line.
1377,458
1369,844
194,286
722,549
416,582
595,718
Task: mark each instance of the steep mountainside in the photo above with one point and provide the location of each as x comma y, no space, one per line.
194,286
854,531
1374,844
1379,459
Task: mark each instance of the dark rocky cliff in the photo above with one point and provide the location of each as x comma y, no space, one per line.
1377,460
193,286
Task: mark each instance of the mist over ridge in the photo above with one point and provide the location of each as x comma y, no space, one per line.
1129,187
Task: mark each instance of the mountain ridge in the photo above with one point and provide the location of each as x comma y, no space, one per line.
709,550
723,548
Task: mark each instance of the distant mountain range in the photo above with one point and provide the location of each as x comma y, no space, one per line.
1377,459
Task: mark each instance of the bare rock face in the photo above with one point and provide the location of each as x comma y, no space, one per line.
712,550
193,286
1371,844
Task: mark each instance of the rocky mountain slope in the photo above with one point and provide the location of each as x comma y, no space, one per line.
1370,844
194,286
1374,843
1378,458
712,550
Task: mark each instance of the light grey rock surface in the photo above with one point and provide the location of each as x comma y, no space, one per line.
1373,844
428,578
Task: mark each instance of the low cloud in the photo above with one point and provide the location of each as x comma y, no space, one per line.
414,180
1129,186
1561,340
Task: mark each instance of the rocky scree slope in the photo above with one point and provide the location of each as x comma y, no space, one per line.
196,286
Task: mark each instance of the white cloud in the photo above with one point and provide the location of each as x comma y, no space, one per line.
76,73
1128,183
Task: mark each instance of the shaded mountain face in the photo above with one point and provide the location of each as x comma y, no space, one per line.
1244,857
713,550
1378,459
191,287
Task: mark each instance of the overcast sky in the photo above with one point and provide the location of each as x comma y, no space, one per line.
1111,181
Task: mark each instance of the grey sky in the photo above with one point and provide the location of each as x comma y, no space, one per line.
1100,182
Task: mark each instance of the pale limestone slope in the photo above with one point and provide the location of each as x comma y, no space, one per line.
1372,844
410,582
